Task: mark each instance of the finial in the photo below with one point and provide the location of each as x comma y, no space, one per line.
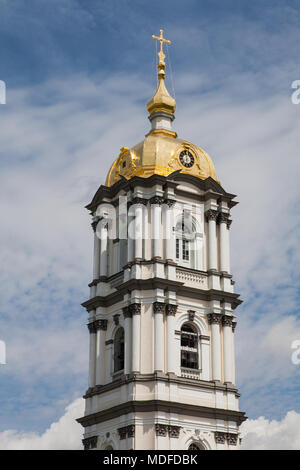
162,101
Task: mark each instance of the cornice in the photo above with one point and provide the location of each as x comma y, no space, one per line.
139,406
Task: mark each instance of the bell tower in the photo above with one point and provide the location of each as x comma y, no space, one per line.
161,312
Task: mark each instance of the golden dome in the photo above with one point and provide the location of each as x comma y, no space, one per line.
161,152
161,155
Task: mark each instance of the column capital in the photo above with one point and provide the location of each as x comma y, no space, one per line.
233,325
229,222
126,312
214,318
171,309
122,432
139,200
211,214
161,429
126,431
170,202
174,431
222,217
232,439
101,324
220,437
157,200
135,309
90,442
92,327
227,320
158,307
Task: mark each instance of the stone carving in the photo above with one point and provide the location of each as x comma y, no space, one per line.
101,324
139,200
135,309
157,200
116,318
131,430
191,315
232,439
92,327
161,430
122,432
174,431
229,223
222,217
211,215
126,312
233,325
226,320
214,318
220,437
158,307
90,442
171,309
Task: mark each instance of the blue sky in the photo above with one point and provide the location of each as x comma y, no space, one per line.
78,75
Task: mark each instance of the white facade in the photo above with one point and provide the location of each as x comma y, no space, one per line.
166,294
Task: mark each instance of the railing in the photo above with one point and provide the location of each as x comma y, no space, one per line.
189,277
190,373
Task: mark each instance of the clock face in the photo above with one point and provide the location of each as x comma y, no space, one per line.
186,159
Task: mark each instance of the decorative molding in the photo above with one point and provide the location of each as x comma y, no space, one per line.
220,437
126,312
215,318
126,431
92,327
170,202
90,442
101,324
169,407
222,218
174,431
232,439
159,307
157,200
171,309
139,200
227,320
191,314
135,309
211,214
161,430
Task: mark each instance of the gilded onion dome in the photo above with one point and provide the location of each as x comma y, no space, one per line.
161,152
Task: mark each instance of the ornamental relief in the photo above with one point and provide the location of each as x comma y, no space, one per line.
126,164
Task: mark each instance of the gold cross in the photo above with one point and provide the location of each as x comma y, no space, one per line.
162,40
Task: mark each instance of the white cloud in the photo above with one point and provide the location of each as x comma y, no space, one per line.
262,434
65,434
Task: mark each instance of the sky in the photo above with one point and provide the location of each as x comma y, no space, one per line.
78,75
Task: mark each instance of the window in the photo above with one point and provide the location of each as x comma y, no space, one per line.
189,347
119,350
184,241
195,446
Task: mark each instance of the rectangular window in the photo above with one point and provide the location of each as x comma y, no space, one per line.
189,359
185,250
177,248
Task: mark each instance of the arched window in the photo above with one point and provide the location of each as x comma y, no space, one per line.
195,446
119,350
189,347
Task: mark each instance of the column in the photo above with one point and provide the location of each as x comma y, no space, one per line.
156,226
103,249
135,310
138,226
101,327
224,242
158,310
130,235
214,320
128,340
227,347
211,216
168,224
96,264
92,355
233,352
171,346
